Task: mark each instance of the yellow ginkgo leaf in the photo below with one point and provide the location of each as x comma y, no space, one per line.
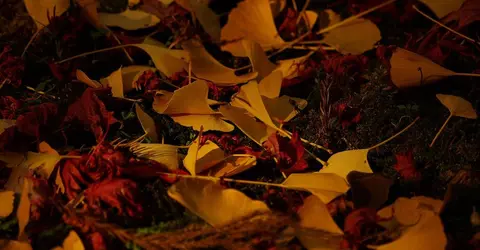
162,153
422,225
45,148
189,106
6,207
250,99
81,76
271,85
443,7
457,107
255,130
324,186
232,165
344,162
4,124
89,10
316,228
251,20
205,66
312,18
207,18
130,75
410,69
71,242
23,210
147,122
39,10
129,19
14,245
115,81
284,108
354,37
207,156
257,56
166,61
277,6
213,203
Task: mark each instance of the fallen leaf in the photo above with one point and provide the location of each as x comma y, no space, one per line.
166,61
342,163
162,153
81,76
4,124
148,124
354,37
312,18
250,99
405,166
213,203
369,190
271,85
129,19
207,18
6,207
14,245
324,186
232,165
39,10
45,148
317,230
89,10
288,152
409,69
284,108
115,81
203,157
71,242
205,66
258,58
290,67
444,7
189,107
457,107
23,210
131,74
277,6
251,20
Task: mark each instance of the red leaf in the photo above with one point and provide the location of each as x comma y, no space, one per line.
288,153
358,224
39,116
9,107
340,65
406,166
11,68
91,112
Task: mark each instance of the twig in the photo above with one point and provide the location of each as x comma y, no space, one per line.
395,135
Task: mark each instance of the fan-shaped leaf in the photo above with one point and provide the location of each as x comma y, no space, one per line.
6,207
342,163
129,19
458,106
165,60
443,7
39,10
162,153
147,122
324,186
71,242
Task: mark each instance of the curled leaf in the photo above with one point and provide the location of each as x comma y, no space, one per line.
147,122
213,203
166,60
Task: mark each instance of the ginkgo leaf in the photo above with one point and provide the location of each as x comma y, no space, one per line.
203,157
369,190
284,108
4,124
81,76
250,99
23,210
6,207
457,107
130,75
21,164
354,37
344,162
45,148
257,56
129,19
207,18
277,6
312,18
317,230
189,107
39,10
251,20
115,81
443,7
147,122
14,245
162,153
89,10
213,203
324,186
165,60
205,66
71,242
411,69
255,130
232,165
271,85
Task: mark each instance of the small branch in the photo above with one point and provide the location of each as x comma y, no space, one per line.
30,42
395,135
467,74
302,12
40,92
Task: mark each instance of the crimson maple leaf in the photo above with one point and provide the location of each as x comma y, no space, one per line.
288,153
406,166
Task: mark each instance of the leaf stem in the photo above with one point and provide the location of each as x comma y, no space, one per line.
94,52
441,129
467,74
443,25
395,135
211,178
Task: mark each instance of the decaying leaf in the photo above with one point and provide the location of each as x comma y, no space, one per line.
14,245
4,124
129,19
457,107
251,20
354,37
443,7
425,229
369,190
410,69
39,10
317,229
23,210
71,242
148,124
213,203
205,66
6,207
324,186
166,61
189,107
162,153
